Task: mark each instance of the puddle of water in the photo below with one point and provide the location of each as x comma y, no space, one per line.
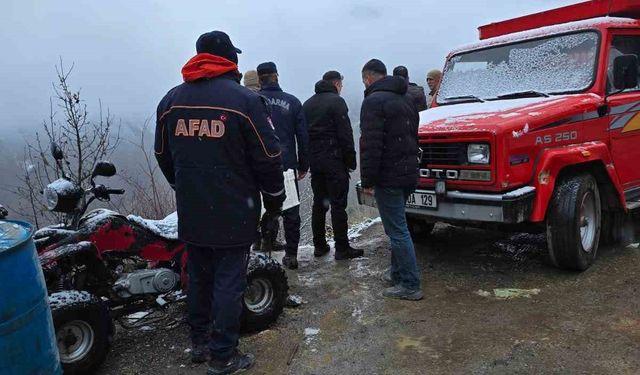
417,344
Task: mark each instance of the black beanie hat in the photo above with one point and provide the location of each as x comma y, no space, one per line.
267,68
375,65
217,43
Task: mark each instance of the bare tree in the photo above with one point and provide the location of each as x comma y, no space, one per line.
148,193
83,141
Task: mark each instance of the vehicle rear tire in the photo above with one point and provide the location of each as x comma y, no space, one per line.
574,222
83,329
617,228
266,294
419,229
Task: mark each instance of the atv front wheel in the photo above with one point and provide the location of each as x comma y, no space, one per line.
83,330
266,293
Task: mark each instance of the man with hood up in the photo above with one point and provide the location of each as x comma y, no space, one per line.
433,81
216,146
250,80
389,169
332,158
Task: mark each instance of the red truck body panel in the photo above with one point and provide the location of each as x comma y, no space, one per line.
570,13
533,140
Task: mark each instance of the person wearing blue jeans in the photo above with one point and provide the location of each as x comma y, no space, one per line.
404,269
389,168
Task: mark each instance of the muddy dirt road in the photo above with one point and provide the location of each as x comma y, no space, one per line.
564,323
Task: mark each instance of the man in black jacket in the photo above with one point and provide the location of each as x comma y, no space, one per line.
291,129
389,169
413,90
216,145
332,157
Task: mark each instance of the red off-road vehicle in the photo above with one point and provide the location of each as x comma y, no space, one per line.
537,127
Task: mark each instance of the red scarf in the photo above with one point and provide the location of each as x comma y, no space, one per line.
206,65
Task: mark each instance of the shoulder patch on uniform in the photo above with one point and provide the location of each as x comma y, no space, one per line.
265,103
270,122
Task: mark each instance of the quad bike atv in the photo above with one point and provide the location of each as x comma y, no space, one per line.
102,266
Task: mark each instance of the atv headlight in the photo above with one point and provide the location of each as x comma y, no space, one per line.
51,196
478,153
62,196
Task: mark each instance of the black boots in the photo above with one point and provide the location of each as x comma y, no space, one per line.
290,261
319,251
348,253
237,363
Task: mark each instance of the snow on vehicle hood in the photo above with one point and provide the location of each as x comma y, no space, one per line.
493,115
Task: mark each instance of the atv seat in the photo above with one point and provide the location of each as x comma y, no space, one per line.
165,228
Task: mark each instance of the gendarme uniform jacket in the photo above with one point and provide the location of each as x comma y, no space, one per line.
291,129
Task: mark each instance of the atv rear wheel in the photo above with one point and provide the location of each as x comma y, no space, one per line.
83,330
266,293
574,222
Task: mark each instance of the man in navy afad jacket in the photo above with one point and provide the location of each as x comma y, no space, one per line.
291,129
216,145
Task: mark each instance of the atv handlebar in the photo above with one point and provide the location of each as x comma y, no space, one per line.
102,192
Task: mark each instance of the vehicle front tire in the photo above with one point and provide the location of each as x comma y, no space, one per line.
419,229
83,329
266,294
574,222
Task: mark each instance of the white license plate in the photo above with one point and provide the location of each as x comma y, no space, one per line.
424,200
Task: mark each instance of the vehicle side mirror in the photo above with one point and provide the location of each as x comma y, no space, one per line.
56,151
104,168
625,72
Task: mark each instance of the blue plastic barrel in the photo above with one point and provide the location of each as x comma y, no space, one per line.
27,338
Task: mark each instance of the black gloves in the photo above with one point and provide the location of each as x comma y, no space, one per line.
269,223
273,205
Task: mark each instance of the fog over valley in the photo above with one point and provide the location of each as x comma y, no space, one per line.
127,55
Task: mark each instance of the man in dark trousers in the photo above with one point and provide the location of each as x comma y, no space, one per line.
389,169
413,90
291,129
216,146
332,158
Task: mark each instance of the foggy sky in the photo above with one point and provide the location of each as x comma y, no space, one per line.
129,53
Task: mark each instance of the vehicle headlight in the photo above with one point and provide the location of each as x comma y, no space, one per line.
62,196
51,196
478,153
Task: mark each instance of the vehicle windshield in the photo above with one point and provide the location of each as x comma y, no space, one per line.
552,65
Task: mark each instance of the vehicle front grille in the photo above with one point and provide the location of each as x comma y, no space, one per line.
444,154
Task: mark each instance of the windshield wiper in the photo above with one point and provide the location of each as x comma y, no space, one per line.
523,94
466,98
